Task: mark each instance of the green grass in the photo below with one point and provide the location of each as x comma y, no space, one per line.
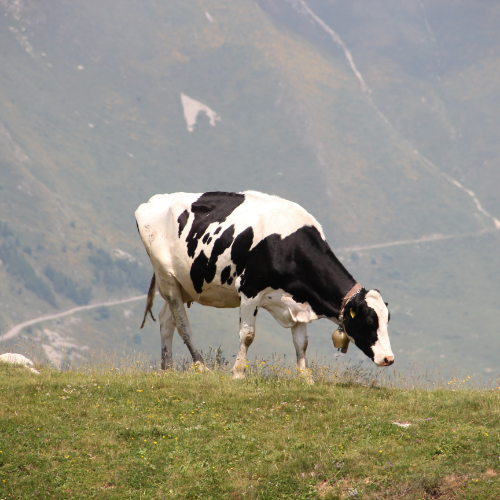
132,433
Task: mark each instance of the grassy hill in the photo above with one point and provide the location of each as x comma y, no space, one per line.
92,125
118,431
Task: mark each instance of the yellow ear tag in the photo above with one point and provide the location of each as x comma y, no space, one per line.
352,313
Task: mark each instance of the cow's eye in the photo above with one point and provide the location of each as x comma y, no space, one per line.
369,321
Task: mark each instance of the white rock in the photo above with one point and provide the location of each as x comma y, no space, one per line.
402,424
18,359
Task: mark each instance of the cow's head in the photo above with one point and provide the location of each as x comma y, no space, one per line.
365,321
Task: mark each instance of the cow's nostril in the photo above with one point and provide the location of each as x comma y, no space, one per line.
389,360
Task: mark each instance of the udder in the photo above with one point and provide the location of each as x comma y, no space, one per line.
219,296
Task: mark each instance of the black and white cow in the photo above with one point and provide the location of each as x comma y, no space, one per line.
252,250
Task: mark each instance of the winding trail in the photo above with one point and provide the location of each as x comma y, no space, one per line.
18,328
423,239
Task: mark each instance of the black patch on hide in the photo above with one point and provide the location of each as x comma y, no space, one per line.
302,264
209,208
240,251
197,272
225,275
182,221
203,269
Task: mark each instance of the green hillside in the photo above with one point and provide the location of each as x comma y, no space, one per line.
131,433
92,125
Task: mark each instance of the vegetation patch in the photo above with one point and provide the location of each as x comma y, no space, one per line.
17,265
126,431
66,286
115,274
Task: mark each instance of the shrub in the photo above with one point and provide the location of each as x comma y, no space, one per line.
101,312
66,286
5,230
119,273
17,265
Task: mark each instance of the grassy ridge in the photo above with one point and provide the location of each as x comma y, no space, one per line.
138,434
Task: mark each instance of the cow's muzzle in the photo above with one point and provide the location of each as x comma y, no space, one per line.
388,361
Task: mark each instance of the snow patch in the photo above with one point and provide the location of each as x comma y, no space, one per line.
122,255
191,110
59,347
54,356
58,341
23,41
7,142
128,312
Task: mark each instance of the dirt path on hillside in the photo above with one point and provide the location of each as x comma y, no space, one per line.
18,328
423,239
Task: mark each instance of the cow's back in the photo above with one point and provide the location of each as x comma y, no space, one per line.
158,225
269,214
190,236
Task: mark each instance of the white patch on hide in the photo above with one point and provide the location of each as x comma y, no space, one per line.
382,348
284,309
122,255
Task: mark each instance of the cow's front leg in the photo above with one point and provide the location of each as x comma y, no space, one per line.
171,292
299,335
167,329
248,316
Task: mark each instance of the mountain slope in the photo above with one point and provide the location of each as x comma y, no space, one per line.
92,124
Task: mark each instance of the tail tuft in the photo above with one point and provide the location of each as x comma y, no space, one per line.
150,300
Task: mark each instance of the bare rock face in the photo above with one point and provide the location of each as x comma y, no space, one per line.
18,359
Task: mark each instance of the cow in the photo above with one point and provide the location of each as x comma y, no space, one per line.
253,250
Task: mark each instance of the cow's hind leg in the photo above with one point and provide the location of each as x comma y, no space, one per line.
248,316
171,292
299,335
167,329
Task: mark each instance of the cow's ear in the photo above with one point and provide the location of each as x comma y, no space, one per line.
352,309
386,304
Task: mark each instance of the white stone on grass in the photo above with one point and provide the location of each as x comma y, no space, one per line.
18,359
402,424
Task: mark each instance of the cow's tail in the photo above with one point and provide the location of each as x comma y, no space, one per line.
151,298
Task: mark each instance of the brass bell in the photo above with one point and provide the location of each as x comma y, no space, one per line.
340,340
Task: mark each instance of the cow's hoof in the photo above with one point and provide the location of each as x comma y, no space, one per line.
201,367
237,375
306,376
